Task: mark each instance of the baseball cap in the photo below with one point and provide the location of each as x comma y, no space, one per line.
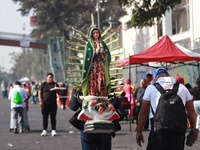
179,79
160,71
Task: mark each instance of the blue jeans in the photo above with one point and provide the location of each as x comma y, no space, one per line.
26,121
95,141
14,113
34,99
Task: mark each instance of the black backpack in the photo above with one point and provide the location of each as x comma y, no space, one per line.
170,115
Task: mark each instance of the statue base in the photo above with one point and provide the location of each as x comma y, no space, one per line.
99,127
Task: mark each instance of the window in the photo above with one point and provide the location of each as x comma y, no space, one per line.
180,18
128,25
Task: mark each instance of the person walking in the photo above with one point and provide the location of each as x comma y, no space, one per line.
128,88
17,96
95,82
63,94
34,93
138,95
47,100
4,90
149,78
196,98
158,140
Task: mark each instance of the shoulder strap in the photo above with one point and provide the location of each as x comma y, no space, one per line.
175,87
152,109
159,88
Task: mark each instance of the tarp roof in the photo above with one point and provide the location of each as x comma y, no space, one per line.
24,79
163,51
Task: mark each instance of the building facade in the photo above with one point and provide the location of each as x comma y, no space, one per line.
181,24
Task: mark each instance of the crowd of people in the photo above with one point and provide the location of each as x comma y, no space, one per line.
144,100
37,93
141,99
134,94
138,101
162,136
21,94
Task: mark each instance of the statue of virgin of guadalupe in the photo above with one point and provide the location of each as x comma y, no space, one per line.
96,61
96,85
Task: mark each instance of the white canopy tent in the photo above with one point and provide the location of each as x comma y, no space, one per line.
24,79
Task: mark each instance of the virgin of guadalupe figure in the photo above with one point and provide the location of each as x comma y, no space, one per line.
96,61
95,74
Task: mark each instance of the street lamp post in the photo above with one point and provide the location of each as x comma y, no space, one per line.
98,14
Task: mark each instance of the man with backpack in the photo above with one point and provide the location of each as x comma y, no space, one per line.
17,96
168,103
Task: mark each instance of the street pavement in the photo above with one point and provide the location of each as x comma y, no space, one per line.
68,136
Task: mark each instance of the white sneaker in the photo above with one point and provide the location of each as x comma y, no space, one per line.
53,133
44,133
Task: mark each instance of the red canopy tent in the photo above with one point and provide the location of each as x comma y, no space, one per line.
164,51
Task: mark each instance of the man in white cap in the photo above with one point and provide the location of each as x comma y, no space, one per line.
156,140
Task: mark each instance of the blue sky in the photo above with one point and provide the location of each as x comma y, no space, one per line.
11,21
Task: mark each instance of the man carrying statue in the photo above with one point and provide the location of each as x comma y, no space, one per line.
97,116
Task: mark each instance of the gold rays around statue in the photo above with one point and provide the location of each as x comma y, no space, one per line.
75,54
